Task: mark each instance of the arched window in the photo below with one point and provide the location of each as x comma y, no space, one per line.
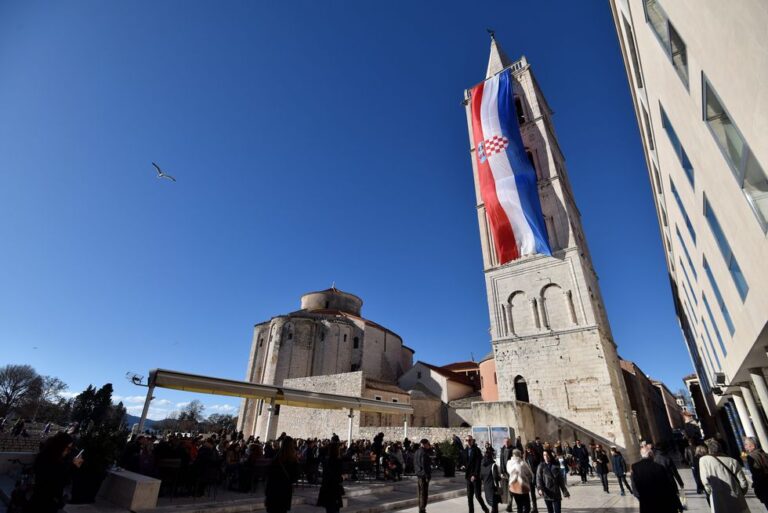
355,342
290,336
521,389
557,314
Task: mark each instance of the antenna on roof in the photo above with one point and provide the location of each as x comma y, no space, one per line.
333,285
472,355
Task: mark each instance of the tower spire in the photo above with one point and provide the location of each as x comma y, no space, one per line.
498,60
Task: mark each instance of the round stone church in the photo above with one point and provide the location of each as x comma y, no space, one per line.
326,336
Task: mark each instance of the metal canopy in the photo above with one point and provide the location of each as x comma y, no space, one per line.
278,395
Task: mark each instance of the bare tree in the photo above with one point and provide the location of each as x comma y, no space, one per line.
50,393
19,384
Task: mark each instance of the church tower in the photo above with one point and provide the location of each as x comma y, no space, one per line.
551,338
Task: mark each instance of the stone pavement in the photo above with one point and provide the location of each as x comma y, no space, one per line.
591,498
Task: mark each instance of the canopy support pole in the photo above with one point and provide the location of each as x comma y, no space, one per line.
349,427
145,411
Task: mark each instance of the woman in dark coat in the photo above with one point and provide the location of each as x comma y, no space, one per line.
601,466
490,477
283,471
331,489
550,483
53,468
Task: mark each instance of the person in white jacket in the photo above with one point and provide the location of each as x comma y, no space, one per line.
520,479
724,480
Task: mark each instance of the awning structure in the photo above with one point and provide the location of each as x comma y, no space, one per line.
277,395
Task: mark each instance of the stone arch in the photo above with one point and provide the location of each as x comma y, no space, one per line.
556,313
521,389
519,314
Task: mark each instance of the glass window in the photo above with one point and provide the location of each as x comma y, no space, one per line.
632,52
719,298
690,287
748,171
663,214
649,134
730,261
656,179
678,54
658,20
711,345
682,210
687,255
520,110
682,156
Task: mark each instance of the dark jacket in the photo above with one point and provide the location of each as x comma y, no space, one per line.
581,454
653,487
601,462
758,465
278,492
50,480
505,455
421,464
472,459
669,465
550,481
619,465
331,488
489,476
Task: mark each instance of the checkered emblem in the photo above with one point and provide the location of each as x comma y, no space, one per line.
495,144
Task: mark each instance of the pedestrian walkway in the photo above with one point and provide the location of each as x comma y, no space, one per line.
591,498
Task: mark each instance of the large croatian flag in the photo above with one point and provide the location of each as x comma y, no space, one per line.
507,178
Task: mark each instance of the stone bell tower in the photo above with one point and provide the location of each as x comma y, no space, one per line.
550,333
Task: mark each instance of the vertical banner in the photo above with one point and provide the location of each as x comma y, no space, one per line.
507,179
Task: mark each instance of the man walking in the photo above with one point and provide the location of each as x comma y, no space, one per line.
505,455
652,485
473,460
758,465
581,455
620,469
423,471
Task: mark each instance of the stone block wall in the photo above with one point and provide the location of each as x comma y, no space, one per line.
433,434
311,422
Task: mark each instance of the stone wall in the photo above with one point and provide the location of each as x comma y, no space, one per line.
529,421
433,434
312,422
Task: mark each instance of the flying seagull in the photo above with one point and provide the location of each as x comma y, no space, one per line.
160,173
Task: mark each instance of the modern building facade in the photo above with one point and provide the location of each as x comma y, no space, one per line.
551,339
697,71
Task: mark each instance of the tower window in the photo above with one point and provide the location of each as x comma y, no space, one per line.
345,337
322,337
355,342
327,304
377,397
418,375
520,110
261,341
290,336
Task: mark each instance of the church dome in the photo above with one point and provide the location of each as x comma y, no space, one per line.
332,299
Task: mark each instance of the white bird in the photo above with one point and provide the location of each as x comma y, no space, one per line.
160,173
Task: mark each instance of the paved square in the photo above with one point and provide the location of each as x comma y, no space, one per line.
591,498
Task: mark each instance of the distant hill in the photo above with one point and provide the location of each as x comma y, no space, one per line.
130,420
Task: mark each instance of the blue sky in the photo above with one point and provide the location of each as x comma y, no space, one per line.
313,142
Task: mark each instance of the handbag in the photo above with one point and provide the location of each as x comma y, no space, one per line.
736,479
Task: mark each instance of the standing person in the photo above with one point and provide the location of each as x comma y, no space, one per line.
758,465
652,486
533,460
378,449
701,450
581,455
620,469
52,469
283,471
550,484
521,481
423,470
504,456
331,488
490,476
662,458
724,480
601,466
473,460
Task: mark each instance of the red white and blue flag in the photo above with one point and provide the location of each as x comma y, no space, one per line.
507,178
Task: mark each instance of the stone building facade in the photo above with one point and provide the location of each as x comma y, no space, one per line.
649,410
551,338
326,336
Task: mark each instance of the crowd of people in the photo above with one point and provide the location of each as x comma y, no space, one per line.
517,475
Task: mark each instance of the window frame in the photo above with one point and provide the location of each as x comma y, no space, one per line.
726,251
739,171
667,45
682,155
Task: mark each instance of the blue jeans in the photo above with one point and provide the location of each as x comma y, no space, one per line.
553,506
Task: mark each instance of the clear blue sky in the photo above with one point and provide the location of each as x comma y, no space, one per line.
312,142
